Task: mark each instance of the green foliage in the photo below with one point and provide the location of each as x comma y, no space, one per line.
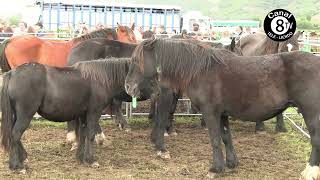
14,20
247,9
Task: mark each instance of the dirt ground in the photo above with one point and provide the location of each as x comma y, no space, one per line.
131,156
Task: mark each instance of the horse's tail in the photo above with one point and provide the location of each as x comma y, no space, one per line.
8,119
3,58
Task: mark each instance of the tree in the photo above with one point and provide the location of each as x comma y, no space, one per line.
14,20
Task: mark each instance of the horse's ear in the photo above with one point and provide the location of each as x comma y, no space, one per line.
132,26
149,44
297,35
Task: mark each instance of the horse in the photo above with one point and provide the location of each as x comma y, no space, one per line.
22,49
259,44
101,48
265,86
98,48
81,91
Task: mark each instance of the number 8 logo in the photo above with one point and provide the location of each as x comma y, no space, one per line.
280,25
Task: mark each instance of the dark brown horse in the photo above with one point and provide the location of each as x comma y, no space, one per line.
223,84
59,94
259,44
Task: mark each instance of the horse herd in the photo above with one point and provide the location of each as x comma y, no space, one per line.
78,80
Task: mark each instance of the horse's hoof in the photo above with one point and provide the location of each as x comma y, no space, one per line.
127,130
120,127
174,133
211,175
74,146
166,134
281,130
310,173
164,155
100,138
261,132
71,137
22,171
26,160
95,165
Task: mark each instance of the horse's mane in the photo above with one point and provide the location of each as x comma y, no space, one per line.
181,60
102,33
109,72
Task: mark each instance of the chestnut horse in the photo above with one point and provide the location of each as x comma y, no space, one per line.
25,49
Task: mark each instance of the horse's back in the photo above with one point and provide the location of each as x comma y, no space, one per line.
67,94
87,50
27,86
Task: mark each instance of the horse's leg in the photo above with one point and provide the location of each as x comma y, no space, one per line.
161,114
71,135
121,121
92,121
151,113
171,128
260,126
99,135
280,126
312,170
81,127
203,122
17,152
231,157
213,121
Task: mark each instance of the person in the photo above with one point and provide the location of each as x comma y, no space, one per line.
99,26
22,29
32,31
163,32
6,33
196,34
39,29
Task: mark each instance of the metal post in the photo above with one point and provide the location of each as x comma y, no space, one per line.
143,18
136,16
165,19
58,16
150,19
112,16
120,15
172,23
81,13
105,15
90,7
50,7
74,16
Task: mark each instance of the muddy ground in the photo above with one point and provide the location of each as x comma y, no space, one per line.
131,156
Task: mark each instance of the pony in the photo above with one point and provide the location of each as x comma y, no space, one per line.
22,49
101,48
81,92
265,86
260,44
98,48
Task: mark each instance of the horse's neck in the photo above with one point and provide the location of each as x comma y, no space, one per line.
259,47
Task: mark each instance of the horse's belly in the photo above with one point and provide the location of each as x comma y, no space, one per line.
63,110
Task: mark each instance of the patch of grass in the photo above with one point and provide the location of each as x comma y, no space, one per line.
45,123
